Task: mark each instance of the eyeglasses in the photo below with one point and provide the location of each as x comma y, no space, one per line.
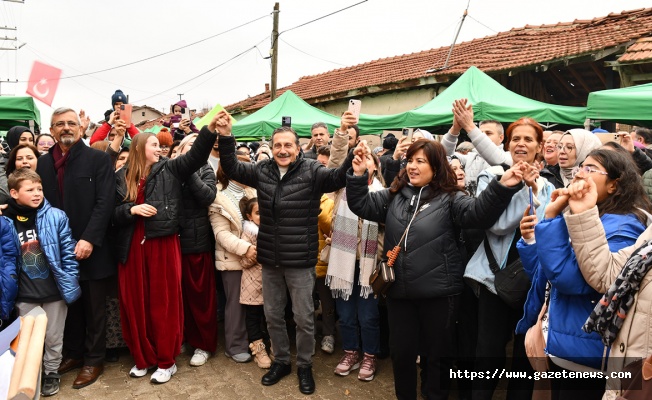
46,144
61,124
568,148
587,170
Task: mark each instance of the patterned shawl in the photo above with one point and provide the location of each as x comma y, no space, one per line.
608,316
344,247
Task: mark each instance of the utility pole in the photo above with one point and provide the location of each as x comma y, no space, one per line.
274,51
179,94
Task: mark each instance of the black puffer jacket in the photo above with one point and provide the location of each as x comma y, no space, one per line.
552,175
430,265
289,207
195,230
163,191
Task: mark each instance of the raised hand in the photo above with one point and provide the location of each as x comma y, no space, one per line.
558,202
221,123
463,112
347,120
359,165
528,222
512,176
530,175
626,141
401,147
583,195
84,121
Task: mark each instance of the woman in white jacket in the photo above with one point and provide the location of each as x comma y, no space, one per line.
226,220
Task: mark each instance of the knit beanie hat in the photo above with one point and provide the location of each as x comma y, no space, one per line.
13,135
118,96
181,103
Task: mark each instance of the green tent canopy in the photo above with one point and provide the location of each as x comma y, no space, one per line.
18,111
630,105
264,121
490,100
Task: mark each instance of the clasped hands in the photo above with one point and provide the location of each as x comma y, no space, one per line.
360,158
522,171
581,195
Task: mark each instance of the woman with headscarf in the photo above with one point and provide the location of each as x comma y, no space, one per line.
15,135
573,148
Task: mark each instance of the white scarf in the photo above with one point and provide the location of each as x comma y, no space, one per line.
344,247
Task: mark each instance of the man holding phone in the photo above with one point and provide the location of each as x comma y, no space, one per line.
118,99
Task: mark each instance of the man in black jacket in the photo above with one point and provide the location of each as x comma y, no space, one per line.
80,181
289,195
320,138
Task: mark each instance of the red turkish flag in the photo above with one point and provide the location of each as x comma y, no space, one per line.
43,82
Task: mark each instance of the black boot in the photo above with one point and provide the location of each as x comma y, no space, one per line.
276,372
306,382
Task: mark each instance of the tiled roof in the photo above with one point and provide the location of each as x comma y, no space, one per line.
639,51
517,48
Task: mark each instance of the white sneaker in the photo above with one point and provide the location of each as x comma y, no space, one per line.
328,344
139,373
199,358
163,375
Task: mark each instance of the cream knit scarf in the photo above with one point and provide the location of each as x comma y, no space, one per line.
344,247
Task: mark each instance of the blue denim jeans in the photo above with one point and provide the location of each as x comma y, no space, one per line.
359,314
300,282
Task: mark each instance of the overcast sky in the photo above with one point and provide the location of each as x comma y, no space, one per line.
85,36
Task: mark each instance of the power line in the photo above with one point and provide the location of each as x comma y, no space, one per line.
319,58
493,30
202,74
165,53
204,81
322,17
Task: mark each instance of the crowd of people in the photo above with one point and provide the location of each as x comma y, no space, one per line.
146,241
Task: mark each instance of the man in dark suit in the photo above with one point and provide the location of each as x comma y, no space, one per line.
80,181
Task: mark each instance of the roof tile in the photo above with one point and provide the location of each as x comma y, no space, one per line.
518,47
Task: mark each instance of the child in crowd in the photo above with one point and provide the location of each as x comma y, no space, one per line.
9,253
174,123
251,289
48,272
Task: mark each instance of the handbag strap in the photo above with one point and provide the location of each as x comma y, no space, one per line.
493,265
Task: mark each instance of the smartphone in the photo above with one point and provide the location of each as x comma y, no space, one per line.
286,121
531,202
354,107
185,114
407,132
125,114
175,125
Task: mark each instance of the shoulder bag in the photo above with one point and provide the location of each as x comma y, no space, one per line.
511,282
382,277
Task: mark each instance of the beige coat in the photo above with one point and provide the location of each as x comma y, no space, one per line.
600,269
227,228
251,284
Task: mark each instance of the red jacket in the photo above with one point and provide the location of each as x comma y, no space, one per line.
103,131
